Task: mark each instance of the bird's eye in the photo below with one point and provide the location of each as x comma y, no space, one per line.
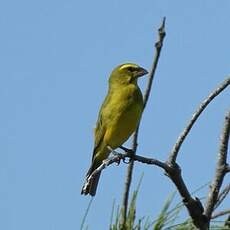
130,69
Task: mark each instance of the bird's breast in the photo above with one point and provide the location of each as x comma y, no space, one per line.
127,107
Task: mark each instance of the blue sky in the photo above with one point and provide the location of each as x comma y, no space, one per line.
56,57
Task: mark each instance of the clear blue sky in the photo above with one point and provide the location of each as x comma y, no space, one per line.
55,59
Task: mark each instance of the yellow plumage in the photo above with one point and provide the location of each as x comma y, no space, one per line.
118,118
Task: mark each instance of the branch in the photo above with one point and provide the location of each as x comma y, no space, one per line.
203,105
221,213
158,47
220,169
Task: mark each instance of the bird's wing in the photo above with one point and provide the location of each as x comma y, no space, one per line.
100,129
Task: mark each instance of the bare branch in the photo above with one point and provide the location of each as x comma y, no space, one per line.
117,157
158,47
221,213
203,105
220,169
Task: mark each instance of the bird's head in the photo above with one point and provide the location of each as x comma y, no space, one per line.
126,74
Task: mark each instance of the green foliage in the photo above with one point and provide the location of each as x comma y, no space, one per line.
131,217
85,215
167,219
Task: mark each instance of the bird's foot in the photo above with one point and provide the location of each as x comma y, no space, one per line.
129,153
119,156
115,154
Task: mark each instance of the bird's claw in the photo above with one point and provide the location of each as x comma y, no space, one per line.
118,161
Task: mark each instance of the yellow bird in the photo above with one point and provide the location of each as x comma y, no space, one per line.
118,118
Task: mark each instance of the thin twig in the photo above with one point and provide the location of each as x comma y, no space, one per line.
203,105
222,195
158,46
220,213
220,169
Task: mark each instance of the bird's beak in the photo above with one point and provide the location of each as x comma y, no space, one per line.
141,72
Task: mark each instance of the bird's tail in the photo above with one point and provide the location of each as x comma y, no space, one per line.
90,187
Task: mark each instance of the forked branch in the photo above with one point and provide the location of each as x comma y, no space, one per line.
200,109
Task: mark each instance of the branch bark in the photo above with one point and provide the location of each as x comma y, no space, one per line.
220,169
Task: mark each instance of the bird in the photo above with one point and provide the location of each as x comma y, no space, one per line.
118,118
